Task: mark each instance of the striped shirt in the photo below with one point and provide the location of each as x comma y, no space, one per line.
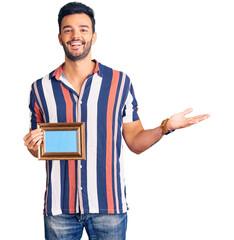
105,102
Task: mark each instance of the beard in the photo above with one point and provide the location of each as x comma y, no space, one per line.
82,55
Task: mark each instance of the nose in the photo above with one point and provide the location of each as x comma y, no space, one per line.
76,34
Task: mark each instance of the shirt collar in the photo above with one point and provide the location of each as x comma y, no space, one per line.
58,72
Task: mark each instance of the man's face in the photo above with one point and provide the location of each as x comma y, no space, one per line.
76,36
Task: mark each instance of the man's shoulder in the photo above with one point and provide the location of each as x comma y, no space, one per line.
47,77
106,70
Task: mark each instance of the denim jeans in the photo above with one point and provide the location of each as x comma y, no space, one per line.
97,226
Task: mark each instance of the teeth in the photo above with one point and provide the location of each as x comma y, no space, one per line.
76,44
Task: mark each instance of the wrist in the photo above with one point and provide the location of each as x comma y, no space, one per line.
166,127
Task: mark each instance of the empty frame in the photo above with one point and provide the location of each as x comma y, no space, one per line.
62,141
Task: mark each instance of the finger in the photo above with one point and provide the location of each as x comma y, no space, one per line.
31,133
187,111
33,137
38,144
26,136
35,142
202,117
197,119
36,130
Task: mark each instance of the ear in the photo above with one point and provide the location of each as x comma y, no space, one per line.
94,38
60,39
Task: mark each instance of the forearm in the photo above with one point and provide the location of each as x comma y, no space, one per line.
145,139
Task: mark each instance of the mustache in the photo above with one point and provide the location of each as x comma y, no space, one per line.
77,40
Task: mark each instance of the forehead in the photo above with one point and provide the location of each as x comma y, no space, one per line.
76,19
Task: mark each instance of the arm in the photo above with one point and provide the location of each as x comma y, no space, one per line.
33,140
138,140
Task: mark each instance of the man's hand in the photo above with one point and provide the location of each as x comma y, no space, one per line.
180,121
33,140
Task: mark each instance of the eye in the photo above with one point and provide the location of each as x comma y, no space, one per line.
84,30
67,31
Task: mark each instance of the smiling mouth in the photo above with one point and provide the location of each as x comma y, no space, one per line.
76,43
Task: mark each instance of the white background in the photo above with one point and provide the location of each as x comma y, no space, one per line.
178,54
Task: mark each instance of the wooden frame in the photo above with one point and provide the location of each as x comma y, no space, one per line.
62,141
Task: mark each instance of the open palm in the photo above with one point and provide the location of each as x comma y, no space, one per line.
180,121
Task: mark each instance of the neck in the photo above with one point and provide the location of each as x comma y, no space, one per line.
76,72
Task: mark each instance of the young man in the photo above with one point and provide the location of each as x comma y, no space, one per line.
90,193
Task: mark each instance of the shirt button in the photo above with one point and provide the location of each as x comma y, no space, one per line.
80,102
81,188
80,166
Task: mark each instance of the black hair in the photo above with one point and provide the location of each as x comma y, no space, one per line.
73,8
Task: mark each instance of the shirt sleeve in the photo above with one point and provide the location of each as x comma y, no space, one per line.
130,111
35,111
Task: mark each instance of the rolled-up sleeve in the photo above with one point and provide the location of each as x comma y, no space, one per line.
130,111
35,111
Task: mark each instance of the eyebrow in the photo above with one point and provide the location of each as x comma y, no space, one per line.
69,26
85,26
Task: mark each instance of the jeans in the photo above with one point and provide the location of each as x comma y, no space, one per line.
97,226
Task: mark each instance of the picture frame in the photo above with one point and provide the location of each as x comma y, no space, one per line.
62,141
